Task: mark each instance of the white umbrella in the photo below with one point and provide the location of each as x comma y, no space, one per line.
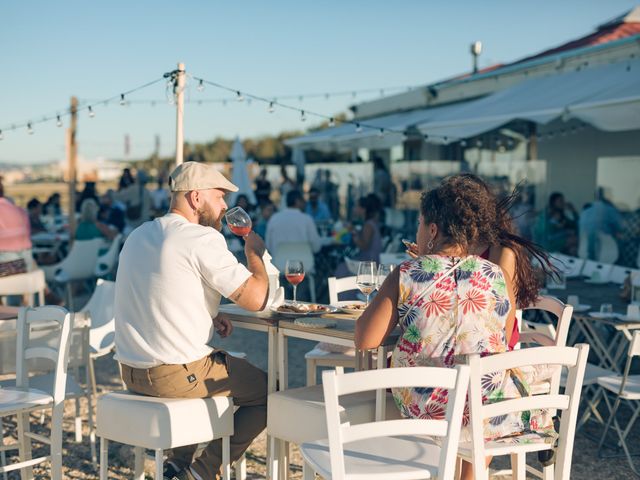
240,176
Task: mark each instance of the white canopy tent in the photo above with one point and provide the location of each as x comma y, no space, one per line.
240,176
607,97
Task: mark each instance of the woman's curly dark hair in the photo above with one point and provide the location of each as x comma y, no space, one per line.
468,213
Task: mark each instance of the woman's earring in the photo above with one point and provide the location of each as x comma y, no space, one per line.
430,245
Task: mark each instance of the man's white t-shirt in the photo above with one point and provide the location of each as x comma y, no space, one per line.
171,275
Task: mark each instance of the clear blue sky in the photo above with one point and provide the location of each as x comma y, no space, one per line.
52,50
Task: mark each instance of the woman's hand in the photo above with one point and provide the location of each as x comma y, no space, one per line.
411,248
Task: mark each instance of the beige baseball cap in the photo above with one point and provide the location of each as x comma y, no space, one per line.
198,176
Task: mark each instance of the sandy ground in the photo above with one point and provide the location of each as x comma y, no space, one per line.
77,460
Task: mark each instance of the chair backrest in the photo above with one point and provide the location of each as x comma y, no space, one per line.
570,266
107,261
335,385
556,336
80,264
619,274
29,320
100,309
339,285
294,250
608,251
573,358
597,270
29,283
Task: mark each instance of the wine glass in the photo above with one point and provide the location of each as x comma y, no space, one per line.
239,221
294,273
384,269
366,279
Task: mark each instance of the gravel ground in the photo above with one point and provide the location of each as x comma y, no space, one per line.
77,458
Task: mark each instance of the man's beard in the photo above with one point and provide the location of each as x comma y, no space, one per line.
208,219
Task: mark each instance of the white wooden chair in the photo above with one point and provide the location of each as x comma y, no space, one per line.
106,263
28,284
390,448
299,251
619,274
625,387
319,357
597,270
21,400
79,264
570,266
608,251
478,449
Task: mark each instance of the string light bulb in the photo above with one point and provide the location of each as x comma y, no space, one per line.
381,133
91,112
123,102
271,108
58,121
239,96
29,129
332,122
303,116
358,128
463,143
200,86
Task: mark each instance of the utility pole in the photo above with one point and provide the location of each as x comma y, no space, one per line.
72,153
179,92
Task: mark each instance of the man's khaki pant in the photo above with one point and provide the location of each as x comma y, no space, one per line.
217,374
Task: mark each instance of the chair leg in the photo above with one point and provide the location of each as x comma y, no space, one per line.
78,421
312,287
307,472
285,456
519,466
226,458
24,444
273,458
92,433
311,372
138,463
3,457
548,473
104,458
241,468
159,457
56,441
92,377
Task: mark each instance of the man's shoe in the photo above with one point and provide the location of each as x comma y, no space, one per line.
172,472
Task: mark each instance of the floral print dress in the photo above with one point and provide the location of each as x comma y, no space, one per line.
464,313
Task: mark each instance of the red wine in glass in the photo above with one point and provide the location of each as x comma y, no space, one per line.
294,273
239,221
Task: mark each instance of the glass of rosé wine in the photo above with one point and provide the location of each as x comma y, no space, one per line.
239,221
294,273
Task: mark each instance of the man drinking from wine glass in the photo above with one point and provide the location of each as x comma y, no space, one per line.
172,274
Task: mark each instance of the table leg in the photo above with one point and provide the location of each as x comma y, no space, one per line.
381,394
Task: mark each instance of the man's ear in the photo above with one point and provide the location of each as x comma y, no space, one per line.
193,199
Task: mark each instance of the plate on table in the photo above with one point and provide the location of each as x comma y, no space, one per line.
311,322
583,307
352,307
302,309
610,316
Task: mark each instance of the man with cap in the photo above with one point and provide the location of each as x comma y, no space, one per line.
171,276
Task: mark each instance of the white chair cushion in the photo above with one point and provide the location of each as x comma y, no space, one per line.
44,383
152,422
297,415
405,457
631,388
15,399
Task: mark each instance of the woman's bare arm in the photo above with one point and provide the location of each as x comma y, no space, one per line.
505,258
380,318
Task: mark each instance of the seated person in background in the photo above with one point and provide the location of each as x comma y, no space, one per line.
173,272
267,210
318,209
15,238
160,198
292,225
34,208
451,302
369,238
89,227
52,205
557,226
242,201
111,212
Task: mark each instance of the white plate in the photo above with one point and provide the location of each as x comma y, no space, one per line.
583,307
344,305
328,309
604,315
315,322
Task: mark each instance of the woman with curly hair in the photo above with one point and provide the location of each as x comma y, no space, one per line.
457,297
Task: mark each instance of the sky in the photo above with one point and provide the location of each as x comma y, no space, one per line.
96,50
